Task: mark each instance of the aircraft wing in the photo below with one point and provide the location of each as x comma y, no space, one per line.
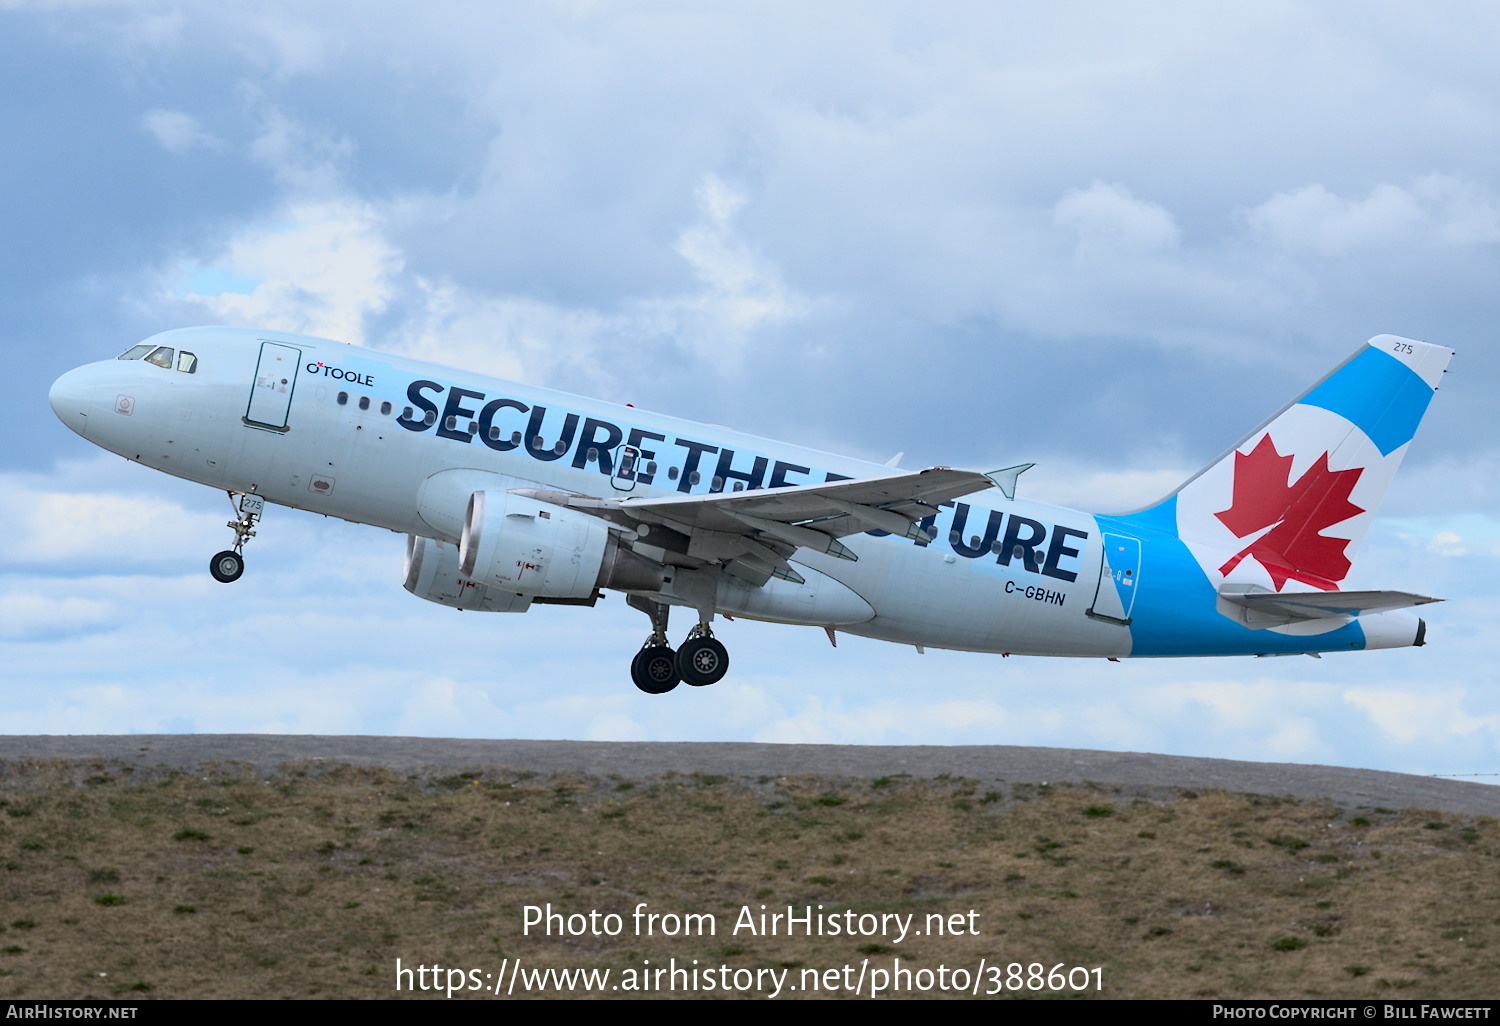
752,533
1271,608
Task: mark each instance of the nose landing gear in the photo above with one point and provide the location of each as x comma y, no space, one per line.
227,566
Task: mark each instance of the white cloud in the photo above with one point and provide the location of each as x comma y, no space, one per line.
178,133
156,29
1424,715
324,264
1111,223
1437,210
40,525
742,292
516,338
285,39
309,164
25,612
320,268
1448,544
1081,486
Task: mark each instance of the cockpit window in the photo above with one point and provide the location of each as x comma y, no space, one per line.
187,362
161,356
135,352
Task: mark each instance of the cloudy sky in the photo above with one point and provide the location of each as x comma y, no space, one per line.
1108,238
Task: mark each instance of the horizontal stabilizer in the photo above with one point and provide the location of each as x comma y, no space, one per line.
1273,609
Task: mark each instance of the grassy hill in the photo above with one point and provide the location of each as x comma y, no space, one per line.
119,883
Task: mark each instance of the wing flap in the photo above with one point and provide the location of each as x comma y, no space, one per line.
821,507
753,532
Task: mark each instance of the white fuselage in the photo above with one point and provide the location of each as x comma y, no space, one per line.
397,443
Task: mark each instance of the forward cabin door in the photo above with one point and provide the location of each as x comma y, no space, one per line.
271,392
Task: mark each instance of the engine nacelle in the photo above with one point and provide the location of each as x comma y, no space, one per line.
518,544
432,573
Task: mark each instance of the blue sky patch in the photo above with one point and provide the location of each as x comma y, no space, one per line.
213,281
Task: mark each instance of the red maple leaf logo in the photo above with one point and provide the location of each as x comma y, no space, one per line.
1290,516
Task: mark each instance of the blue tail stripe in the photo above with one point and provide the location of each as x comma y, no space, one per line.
1175,611
1377,392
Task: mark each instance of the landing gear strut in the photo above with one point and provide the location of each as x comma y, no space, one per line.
227,566
654,668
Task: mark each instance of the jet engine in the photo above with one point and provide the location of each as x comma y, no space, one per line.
432,574
526,546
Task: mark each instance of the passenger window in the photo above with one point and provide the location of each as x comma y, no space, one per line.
431,418
161,356
343,398
187,362
135,352
385,409
364,402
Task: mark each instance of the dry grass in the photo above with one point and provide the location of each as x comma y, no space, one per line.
314,883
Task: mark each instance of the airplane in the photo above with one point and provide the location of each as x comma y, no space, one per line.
512,495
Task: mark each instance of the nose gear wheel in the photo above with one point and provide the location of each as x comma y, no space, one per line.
227,566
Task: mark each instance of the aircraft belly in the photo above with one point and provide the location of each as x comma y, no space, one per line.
923,597
820,601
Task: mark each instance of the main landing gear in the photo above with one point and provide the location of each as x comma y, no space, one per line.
657,669
227,566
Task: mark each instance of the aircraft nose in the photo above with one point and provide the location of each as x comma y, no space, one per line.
72,400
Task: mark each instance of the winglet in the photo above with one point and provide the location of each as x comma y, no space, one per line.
1005,480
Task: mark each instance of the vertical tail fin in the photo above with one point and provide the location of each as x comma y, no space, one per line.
1293,499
